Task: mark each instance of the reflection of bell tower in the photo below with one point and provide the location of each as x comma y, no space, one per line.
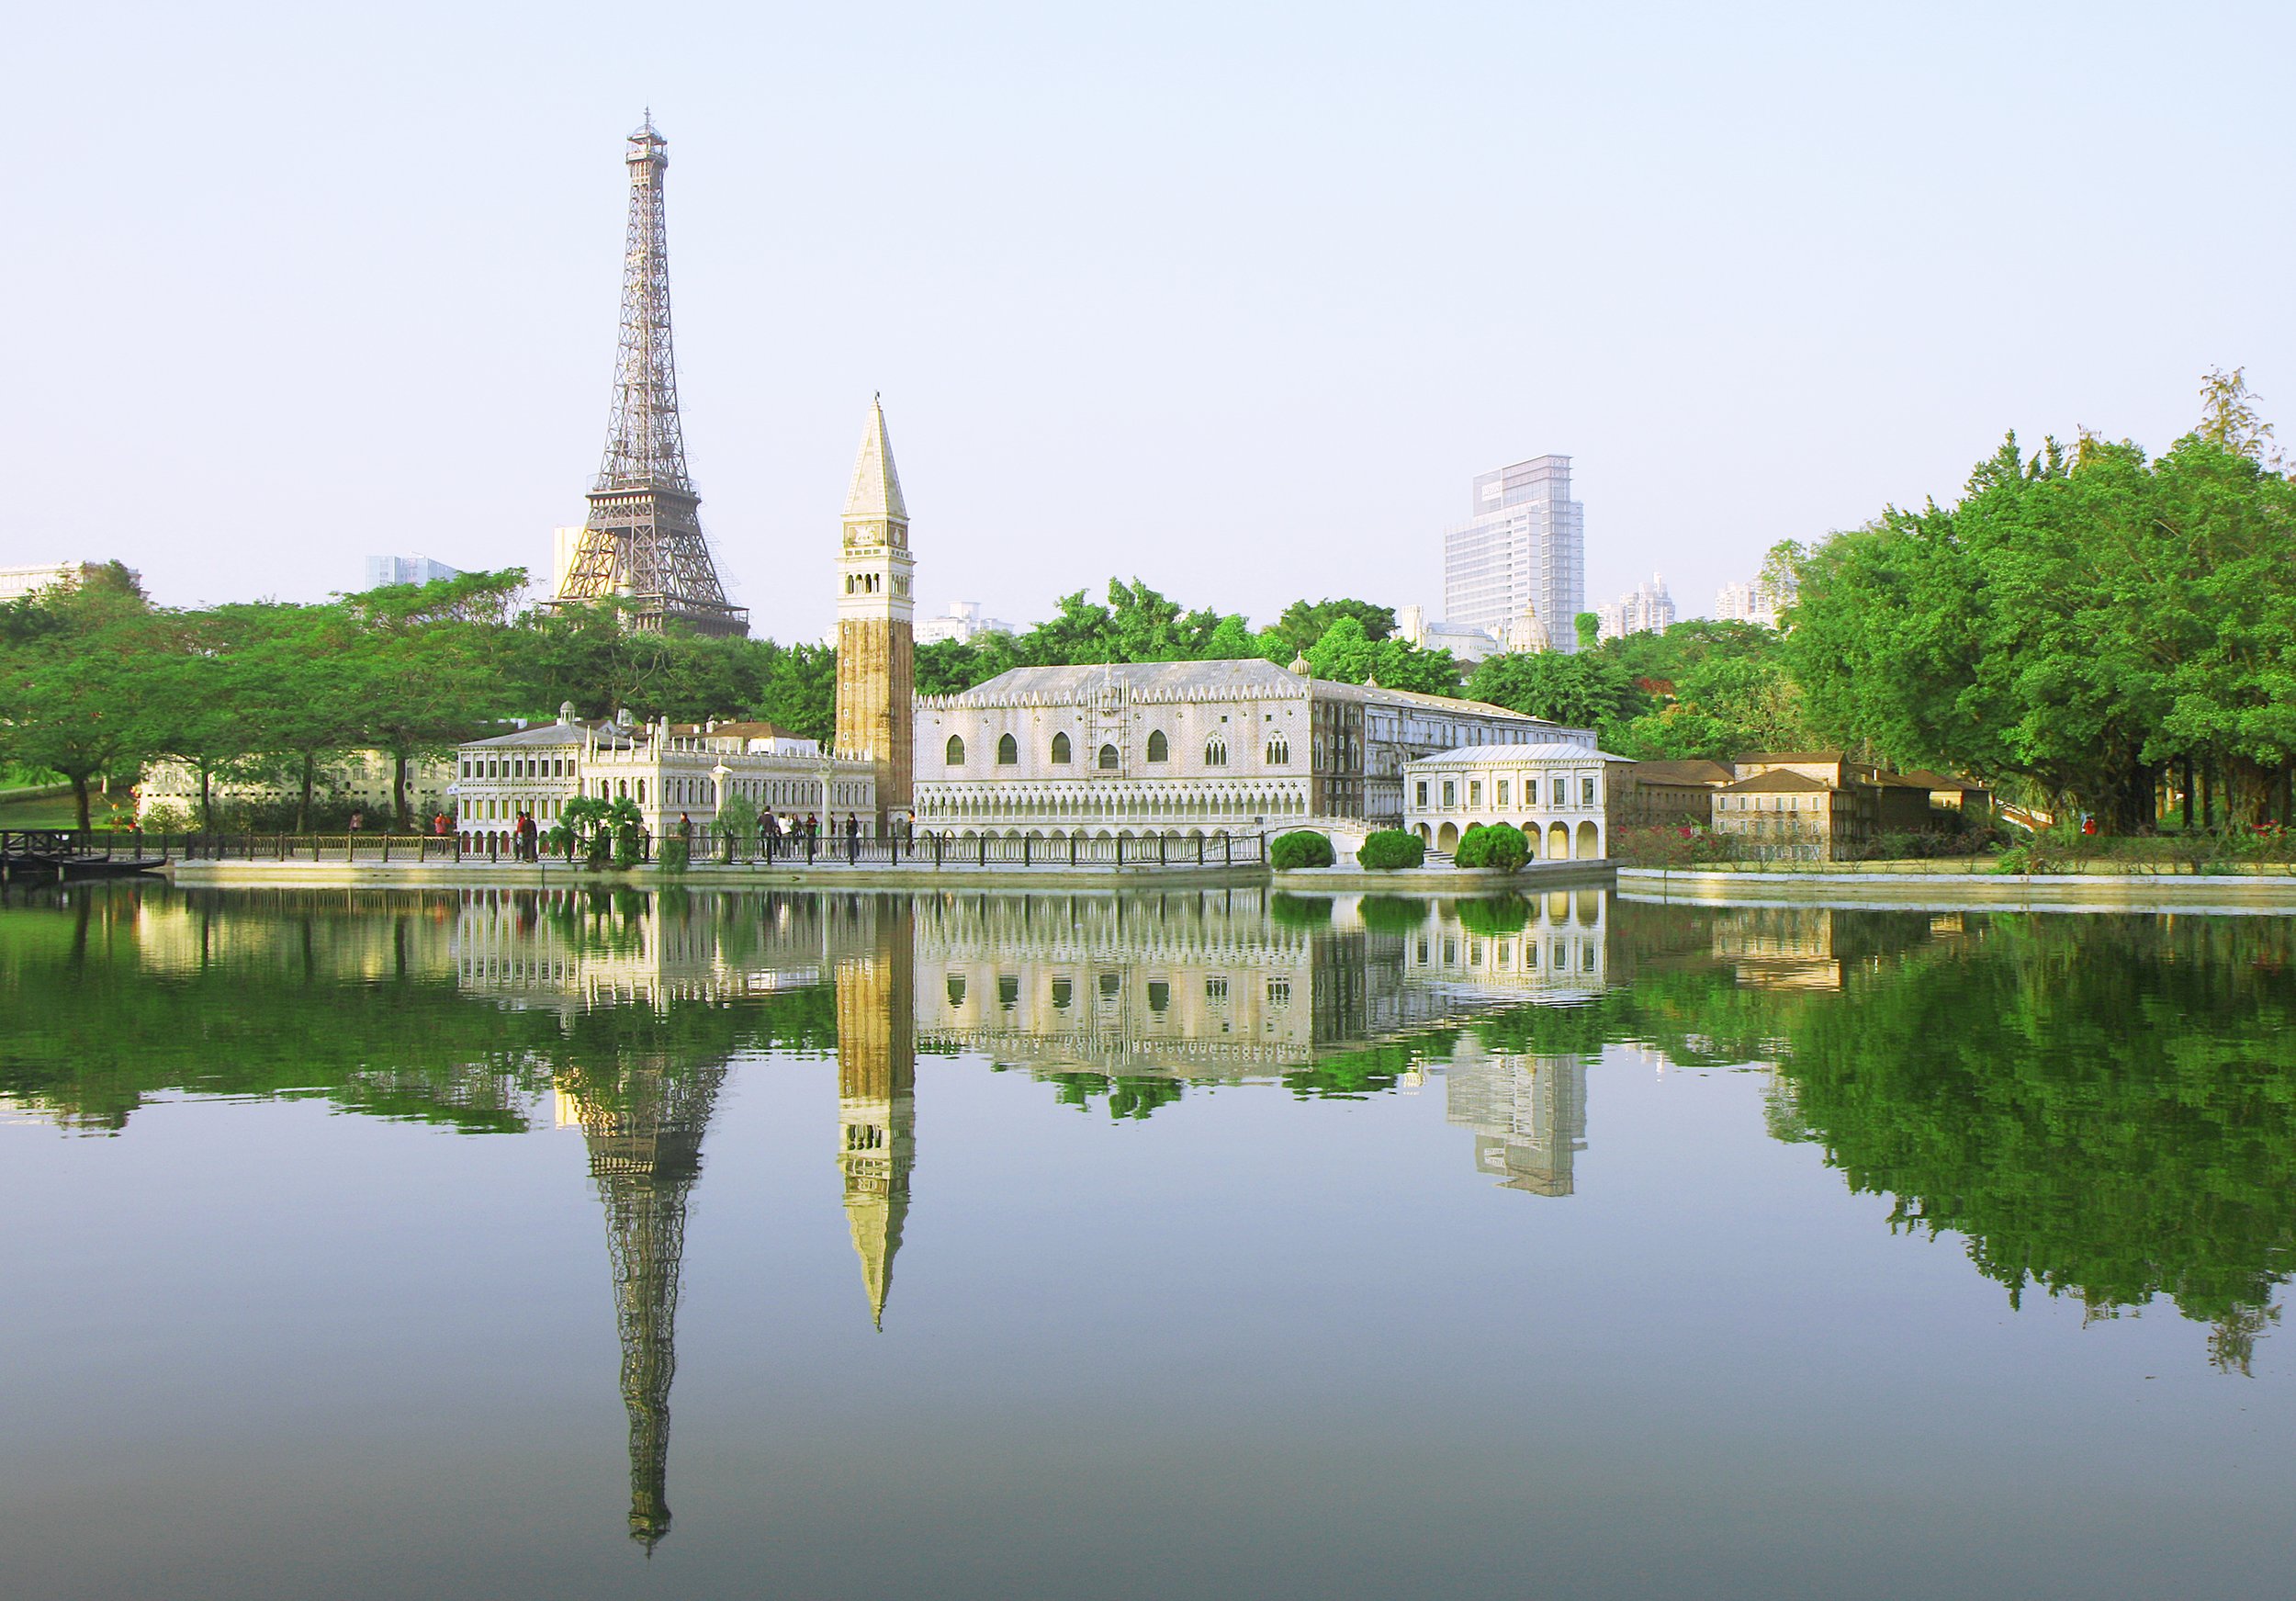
876,1092
643,1125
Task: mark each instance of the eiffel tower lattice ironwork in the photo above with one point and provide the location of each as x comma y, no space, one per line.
643,1124
641,540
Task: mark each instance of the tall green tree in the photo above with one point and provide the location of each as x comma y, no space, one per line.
73,671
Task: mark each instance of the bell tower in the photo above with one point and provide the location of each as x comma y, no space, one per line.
876,610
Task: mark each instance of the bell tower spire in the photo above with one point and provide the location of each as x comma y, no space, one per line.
876,609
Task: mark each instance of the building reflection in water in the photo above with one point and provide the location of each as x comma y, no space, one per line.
1222,986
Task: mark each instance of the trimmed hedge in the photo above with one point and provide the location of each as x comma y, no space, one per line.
1301,847
1501,845
1391,848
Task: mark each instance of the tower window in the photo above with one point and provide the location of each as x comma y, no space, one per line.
956,751
1108,758
1008,751
1159,748
1060,749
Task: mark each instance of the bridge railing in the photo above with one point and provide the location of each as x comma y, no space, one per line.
79,845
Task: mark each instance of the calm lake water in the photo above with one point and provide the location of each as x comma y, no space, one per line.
497,1244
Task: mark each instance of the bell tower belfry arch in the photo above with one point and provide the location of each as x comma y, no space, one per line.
876,611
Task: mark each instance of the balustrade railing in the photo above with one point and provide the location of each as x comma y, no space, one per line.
707,848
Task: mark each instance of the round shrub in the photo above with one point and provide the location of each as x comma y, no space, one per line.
1391,848
1500,846
1301,847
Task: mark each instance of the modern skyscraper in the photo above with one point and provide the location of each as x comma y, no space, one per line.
418,569
1524,550
876,607
642,541
1644,609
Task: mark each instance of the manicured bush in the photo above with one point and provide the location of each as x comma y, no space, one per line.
1502,846
1301,847
1391,848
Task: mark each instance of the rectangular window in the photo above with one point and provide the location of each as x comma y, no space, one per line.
1503,792
1474,792
1450,794
1530,792
1586,791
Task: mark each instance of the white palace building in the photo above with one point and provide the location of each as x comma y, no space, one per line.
1185,750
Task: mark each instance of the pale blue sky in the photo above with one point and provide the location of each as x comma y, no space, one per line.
1233,298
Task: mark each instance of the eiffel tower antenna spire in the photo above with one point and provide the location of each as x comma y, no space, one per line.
642,541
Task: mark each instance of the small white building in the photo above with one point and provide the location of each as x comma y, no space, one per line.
667,770
1560,794
964,624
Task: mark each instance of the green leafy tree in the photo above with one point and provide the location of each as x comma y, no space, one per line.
74,670
1583,691
1303,623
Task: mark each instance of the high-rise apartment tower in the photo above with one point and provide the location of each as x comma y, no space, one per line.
1525,548
642,541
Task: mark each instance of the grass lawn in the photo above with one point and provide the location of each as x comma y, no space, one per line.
50,811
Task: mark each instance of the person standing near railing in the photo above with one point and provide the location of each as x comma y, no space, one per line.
852,837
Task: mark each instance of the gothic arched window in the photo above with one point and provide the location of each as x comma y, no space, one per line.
1215,752
1159,750
1279,752
1060,748
1008,751
1108,758
956,751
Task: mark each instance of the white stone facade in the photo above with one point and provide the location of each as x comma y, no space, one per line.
361,779
1560,794
1181,751
669,772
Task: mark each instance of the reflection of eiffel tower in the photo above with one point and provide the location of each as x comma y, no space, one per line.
877,1092
644,1130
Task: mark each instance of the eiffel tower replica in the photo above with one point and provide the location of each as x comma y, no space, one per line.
643,1124
642,541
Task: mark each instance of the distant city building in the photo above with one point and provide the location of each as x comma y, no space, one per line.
17,582
1523,550
392,570
964,624
1758,603
1644,609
